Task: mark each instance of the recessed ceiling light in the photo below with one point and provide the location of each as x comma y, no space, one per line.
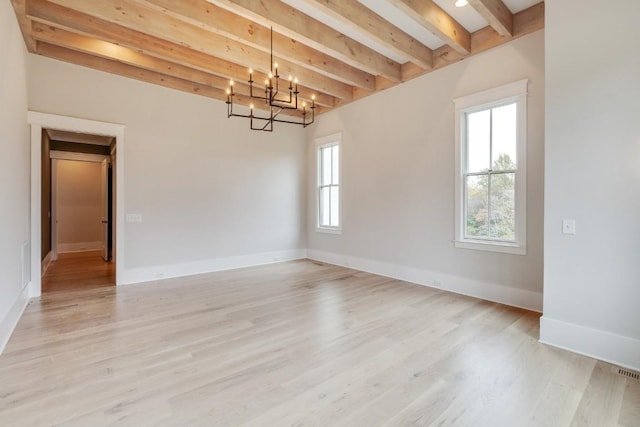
461,3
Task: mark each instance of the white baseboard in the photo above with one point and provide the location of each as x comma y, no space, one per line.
617,349
147,274
502,294
488,291
79,247
45,263
8,324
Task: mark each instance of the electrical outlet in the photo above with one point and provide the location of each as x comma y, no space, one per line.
437,283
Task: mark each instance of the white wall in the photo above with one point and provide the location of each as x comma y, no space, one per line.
79,210
398,167
592,279
14,169
207,187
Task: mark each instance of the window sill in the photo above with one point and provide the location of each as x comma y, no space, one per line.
506,248
329,230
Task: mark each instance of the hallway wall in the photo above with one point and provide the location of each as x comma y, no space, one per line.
79,205
14,171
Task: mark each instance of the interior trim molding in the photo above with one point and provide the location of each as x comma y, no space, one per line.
39,121
80,247
515,297
10,321
160,272
46,262
598,344
79,157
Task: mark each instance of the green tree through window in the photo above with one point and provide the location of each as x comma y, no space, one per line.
490,175
491,202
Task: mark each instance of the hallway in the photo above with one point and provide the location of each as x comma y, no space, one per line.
78,270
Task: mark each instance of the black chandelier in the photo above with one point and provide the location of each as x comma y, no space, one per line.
274,101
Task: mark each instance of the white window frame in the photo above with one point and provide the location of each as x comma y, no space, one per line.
323,142
509,93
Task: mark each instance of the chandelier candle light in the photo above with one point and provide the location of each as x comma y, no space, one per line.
275,102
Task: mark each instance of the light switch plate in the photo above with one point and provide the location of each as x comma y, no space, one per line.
568,226
134,217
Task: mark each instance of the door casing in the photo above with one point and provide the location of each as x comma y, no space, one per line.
39,121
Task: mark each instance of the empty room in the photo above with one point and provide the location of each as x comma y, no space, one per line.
320,212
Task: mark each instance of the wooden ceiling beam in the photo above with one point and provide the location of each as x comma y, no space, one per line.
362,19
435,19
293,23
130,71
113,52
197,47
143,19
79,23
497,14
125,70
215,19
20,9
528,20
524,22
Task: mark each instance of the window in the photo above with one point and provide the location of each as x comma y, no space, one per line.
329,183
491,169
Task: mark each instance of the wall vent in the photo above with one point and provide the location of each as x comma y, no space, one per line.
630,374
26,263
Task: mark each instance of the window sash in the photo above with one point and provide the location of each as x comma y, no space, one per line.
329,197
489,175
490,150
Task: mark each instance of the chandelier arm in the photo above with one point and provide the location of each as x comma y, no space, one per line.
303,123
246,116
268,126
263,98
280,108
284,107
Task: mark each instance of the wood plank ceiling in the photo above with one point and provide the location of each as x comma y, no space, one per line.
340,50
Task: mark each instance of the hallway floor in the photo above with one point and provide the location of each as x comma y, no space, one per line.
79,270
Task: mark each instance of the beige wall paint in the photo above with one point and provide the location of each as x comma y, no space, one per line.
14,167
592,278
398,169
79,205
207,187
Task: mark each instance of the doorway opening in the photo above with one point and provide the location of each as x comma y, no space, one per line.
52,122
77,210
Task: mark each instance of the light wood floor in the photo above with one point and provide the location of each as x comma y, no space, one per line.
293,344
78,270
